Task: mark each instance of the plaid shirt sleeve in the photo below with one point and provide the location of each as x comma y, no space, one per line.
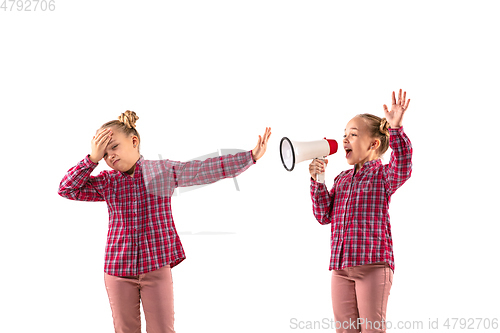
398,171
322,200
210,170
78,184
162,177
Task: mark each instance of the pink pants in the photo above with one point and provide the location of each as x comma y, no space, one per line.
154,288
359,297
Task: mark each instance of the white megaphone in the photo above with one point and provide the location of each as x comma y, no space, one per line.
293,152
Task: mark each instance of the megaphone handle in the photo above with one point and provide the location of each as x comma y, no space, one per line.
320,177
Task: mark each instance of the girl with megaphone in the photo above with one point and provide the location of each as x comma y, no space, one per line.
362,256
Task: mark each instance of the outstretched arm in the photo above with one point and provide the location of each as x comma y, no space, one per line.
166,175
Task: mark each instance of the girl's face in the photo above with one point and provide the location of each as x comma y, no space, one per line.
120,153
358,143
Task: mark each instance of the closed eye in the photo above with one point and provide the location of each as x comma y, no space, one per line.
106,154
351,134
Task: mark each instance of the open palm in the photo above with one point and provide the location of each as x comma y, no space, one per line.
395,116
261,147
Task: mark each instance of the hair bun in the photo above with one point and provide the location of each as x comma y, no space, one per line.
384,125
128,118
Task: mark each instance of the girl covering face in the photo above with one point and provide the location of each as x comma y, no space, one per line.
118,143
142,243
120,154
357,207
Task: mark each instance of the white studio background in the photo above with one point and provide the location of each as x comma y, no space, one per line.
206,75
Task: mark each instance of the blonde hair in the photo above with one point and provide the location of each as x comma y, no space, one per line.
125,124
378,129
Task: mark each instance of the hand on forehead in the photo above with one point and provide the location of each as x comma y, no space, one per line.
101,130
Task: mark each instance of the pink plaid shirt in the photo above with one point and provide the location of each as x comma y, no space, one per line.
142,235
357,206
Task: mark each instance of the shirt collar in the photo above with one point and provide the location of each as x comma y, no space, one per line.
368,165
139,161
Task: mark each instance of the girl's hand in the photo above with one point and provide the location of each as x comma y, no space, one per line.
261,147
395,116
99,143
317,166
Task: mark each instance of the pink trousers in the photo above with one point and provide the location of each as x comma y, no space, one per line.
154,289
359,297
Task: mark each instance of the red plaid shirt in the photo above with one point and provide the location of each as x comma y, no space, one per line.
357,206
142,235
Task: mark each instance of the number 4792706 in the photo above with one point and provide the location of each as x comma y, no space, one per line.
28,5
471,323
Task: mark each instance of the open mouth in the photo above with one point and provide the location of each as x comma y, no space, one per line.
348,152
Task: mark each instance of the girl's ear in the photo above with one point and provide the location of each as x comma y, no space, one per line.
135,141
376,144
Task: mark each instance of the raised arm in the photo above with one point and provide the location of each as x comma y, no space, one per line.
398,171
399,168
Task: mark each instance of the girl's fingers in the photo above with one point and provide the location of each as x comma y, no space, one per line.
101,138
105,143
318,165
101,134
106,131
105,138
267,134
315,169
97,136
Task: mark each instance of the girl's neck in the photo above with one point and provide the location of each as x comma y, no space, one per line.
131,171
